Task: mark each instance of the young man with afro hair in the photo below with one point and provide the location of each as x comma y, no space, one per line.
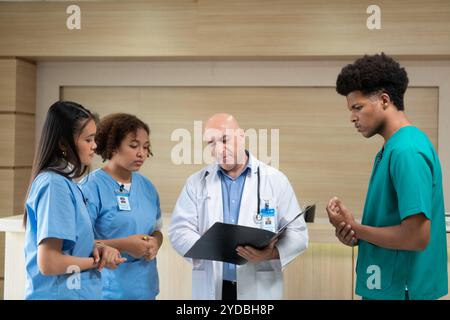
402,248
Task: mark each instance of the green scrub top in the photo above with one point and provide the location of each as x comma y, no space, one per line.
406,180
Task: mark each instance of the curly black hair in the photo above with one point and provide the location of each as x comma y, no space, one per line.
370,74
111,131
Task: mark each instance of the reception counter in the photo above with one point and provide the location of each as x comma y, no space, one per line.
324,271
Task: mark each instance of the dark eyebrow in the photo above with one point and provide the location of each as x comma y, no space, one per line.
137,141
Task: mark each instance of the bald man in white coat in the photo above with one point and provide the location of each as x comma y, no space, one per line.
227,192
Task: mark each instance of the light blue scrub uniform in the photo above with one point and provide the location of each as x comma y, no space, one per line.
56,209
136,278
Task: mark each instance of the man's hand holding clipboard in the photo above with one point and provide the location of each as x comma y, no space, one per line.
219,243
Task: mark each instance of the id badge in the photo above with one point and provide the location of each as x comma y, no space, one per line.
123,201
268,221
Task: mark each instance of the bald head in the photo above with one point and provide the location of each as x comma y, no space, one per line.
226,139
222,121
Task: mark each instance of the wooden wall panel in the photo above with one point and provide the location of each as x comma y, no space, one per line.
320,151
25,87
7,191
13,189
421,107
17,86
21,181
108,29
319,28
322,272
7,85
24,142
224,29
17,140
7,136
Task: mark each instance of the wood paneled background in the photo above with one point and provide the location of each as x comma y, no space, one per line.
230,29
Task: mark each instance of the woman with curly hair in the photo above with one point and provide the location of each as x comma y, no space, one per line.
125,208
402,248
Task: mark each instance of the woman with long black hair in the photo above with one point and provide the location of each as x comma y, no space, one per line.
59,235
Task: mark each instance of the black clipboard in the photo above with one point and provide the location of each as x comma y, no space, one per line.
219,242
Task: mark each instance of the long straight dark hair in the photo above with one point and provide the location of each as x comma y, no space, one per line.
64,123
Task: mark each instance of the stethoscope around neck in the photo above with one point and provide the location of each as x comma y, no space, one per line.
258,216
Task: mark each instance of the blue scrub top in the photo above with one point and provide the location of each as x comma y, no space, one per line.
56,209
136,278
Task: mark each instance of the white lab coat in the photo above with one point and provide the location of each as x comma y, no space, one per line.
199,206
